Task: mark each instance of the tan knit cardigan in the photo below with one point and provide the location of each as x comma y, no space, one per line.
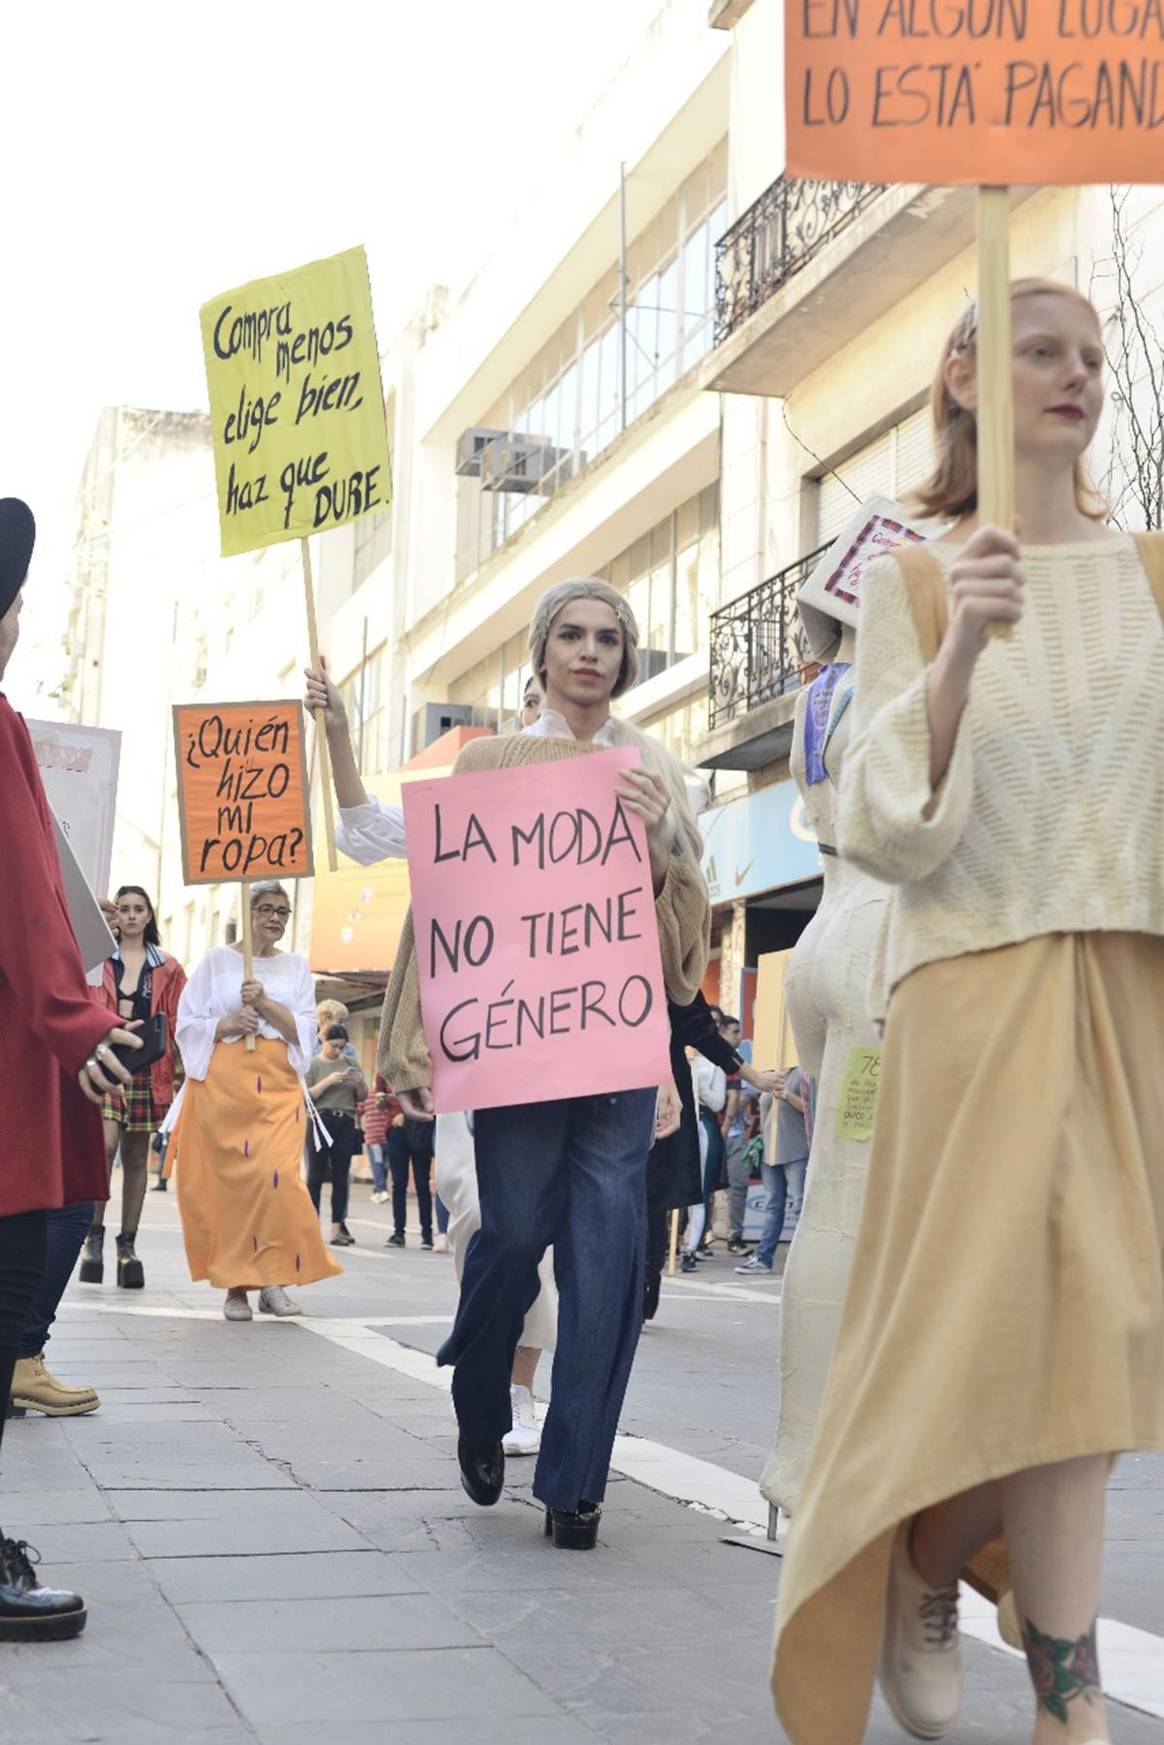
682,911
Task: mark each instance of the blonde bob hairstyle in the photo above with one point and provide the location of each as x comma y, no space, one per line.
685,837
951,490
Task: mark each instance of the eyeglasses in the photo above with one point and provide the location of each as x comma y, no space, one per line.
267,912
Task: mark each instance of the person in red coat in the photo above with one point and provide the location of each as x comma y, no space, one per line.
58,1064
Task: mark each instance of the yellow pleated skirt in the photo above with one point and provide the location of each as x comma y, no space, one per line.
236,1149
1006,1302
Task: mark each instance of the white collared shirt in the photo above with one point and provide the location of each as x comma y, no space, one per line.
552,725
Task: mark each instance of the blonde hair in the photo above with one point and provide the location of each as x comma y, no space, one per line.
685,837
331,1012
952,488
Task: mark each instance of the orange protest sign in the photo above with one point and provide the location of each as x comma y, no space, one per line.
987,91
242,791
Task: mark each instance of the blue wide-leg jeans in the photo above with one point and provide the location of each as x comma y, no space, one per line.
571,1174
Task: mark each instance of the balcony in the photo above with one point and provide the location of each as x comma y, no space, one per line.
812,265
760,658
775,239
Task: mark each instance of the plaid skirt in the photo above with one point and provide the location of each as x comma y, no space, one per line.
134,1108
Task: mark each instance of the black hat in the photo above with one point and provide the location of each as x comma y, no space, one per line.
17,538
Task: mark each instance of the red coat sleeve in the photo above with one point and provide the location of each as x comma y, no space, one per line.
38,953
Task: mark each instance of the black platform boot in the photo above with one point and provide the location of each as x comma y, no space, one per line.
93,1258
130,1272
574,1529
29,1612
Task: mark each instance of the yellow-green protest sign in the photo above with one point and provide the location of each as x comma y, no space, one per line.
858,1103
296,405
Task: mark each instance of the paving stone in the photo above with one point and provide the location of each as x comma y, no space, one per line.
307,1529
456,1684
312,1624
325,1575
486,1730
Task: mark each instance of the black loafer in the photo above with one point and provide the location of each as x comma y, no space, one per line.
29,1612
482,1470
574,1529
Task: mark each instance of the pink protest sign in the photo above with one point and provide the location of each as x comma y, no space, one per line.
535,932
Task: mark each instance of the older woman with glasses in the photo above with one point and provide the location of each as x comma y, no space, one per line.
238,1125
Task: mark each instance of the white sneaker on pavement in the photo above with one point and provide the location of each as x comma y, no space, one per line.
921,1666
237,1309
753,1265
525,1436
273,1300
380,1199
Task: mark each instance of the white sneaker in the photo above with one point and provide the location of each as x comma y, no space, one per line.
237,1309
381,1198
921,1666
273,1300
440,1244
525,1436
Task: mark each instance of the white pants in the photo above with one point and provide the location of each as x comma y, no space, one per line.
456,1183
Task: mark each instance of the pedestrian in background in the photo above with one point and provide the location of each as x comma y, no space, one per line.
784,1167
410,1146
378,1112
140,981
337,1089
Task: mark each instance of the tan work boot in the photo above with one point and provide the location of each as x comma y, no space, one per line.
37,1389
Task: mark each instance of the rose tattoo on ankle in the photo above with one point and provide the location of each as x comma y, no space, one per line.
1062,1668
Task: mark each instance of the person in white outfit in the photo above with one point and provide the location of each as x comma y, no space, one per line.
371,830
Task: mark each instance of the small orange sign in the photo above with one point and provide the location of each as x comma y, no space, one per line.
987,91
242,791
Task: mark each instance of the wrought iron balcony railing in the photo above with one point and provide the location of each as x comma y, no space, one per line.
759,649
775,238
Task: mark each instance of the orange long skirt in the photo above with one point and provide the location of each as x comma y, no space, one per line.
236,1147
1005,1308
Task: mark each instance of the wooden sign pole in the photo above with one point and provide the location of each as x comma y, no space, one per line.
995,368
248,945
320,728
995,365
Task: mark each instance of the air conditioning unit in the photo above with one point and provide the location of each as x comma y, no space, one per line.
469,447
433,719
517,463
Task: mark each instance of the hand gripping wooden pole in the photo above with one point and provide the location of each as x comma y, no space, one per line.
320,727
674,1244
995,367
248,945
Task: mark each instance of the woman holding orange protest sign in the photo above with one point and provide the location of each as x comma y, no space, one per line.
238,1125
1002,1338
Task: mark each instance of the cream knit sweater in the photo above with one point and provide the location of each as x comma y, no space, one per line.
682,911
1050,818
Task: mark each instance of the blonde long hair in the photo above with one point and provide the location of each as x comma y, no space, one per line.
685,832
952,488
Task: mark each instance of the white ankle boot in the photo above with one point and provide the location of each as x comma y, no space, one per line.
921,1667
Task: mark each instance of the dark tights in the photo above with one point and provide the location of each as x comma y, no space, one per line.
23,1246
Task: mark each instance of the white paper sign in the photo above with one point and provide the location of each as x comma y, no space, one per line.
78,766
89,925
832,594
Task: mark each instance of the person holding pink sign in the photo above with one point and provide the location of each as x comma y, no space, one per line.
1002,1337
570,1172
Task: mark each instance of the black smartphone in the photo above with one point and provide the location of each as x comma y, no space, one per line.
153,1033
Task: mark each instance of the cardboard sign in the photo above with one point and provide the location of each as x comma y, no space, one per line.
296,405
78,766
535,932
832,594
242,792
858,1100
988,91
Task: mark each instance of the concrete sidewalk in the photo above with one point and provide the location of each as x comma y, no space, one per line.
267,1525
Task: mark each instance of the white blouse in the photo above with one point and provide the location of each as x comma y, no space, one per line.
213,992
